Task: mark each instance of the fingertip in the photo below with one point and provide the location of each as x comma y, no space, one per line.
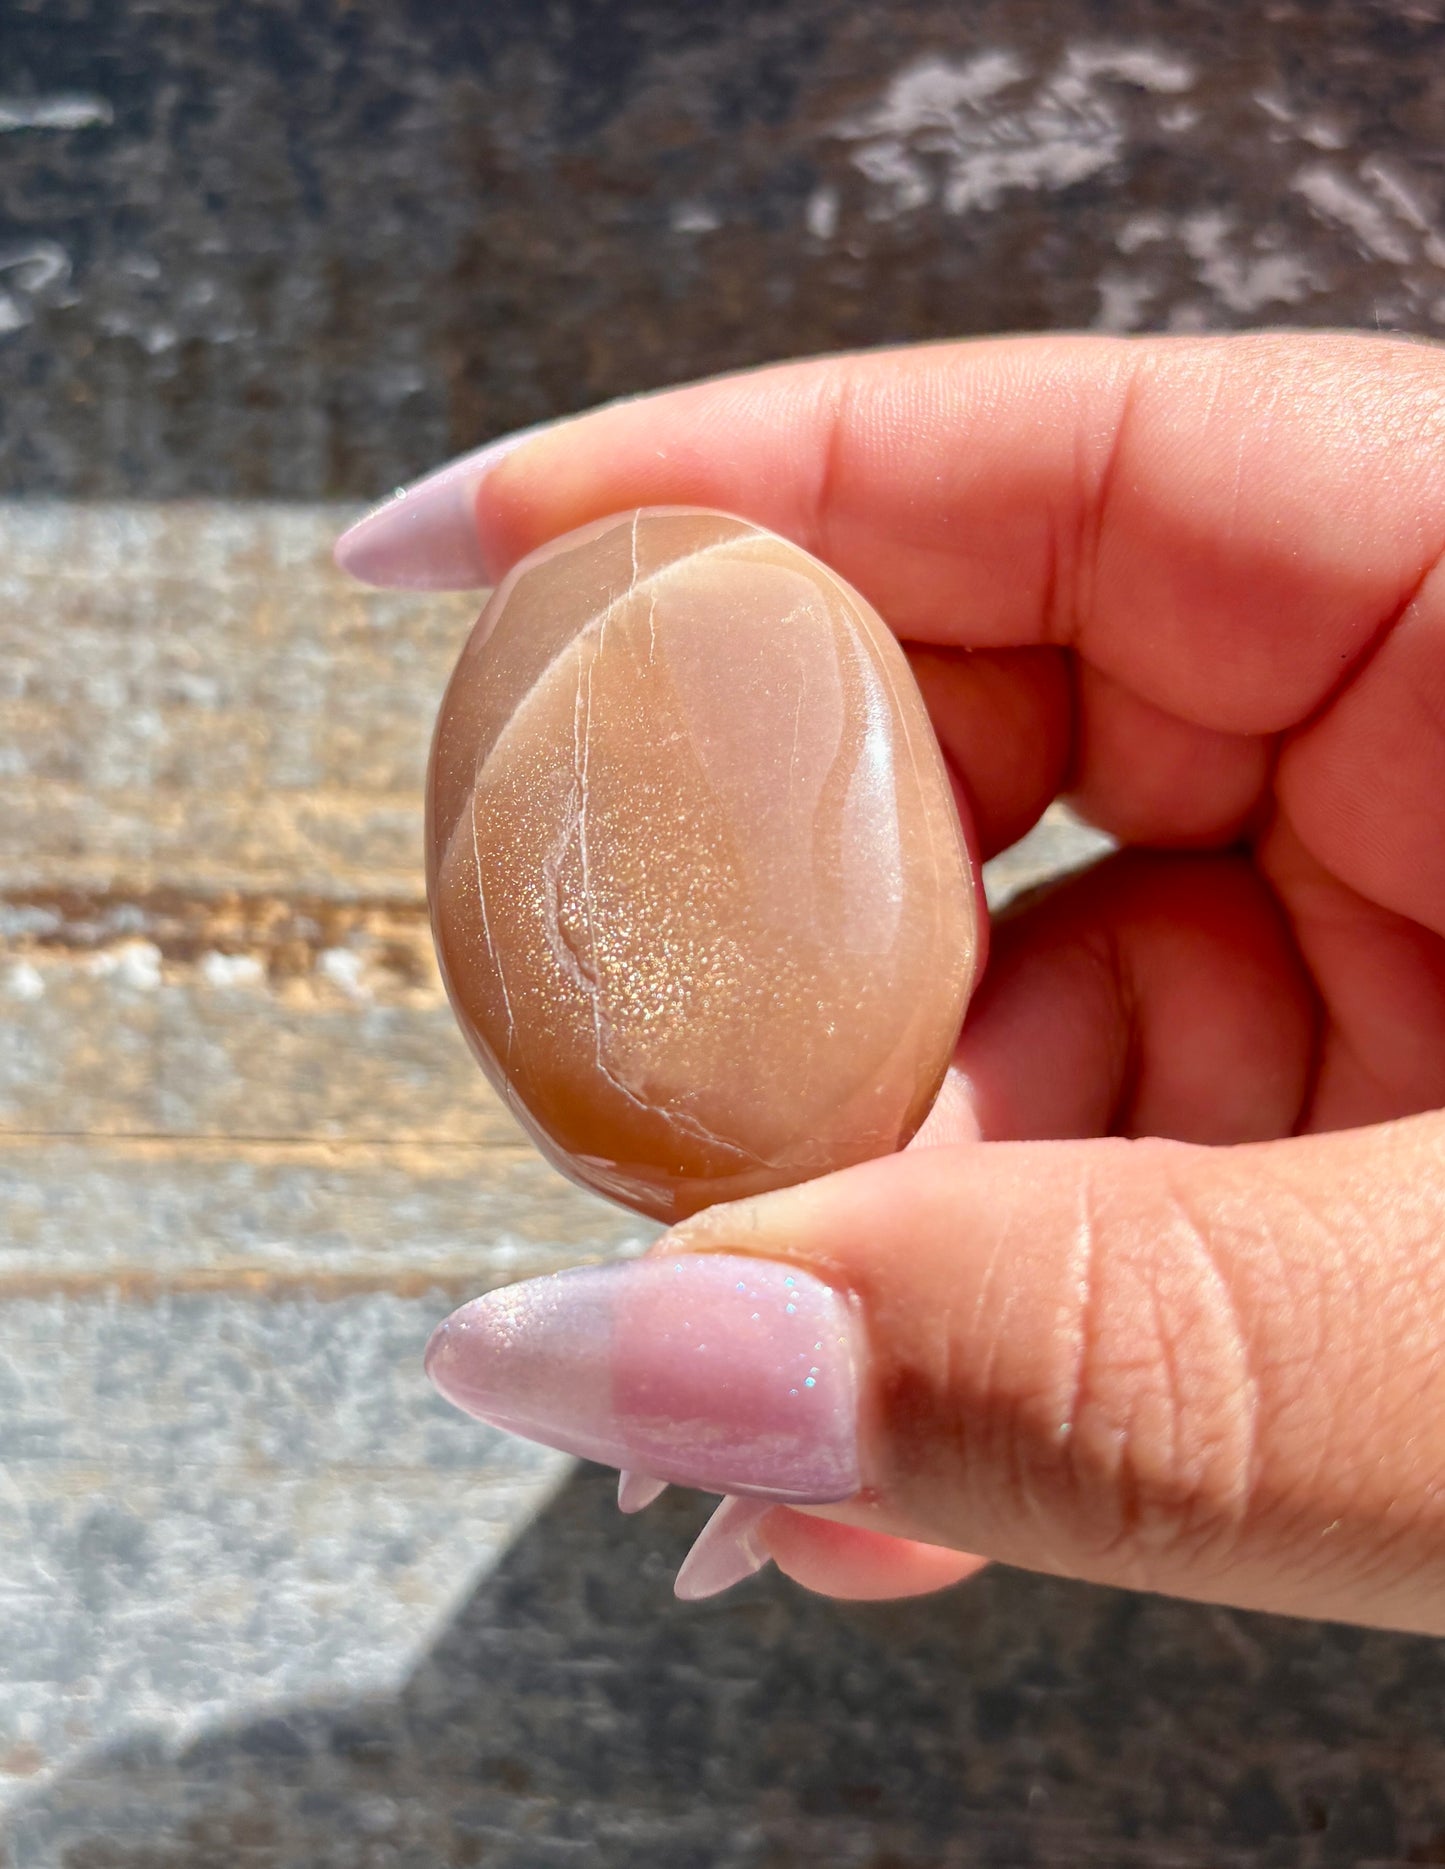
423,539
432,535
857,1565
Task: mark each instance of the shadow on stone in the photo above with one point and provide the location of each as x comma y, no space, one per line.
572,1712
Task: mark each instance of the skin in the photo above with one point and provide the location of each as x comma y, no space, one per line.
1158,1299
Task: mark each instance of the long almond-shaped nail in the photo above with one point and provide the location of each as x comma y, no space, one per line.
728,1374
425,538
728,1548
637,1491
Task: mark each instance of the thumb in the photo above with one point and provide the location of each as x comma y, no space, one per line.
1217,1373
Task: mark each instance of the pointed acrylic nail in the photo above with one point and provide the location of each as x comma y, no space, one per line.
425,538
637,1491
728,1549
731,1375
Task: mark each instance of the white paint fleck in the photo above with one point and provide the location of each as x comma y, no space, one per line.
1142,230
24,982
821,213
1245,283
1396,190
228,970
343,968
136,964
37,272
1404,194
1334,197
930,92
69,110
1142,65
1123,300
376,1815
1274,106
18,923
153,338
695,217
36,267
1319,131
1323,134
195,688
396,382
964,134
1264,274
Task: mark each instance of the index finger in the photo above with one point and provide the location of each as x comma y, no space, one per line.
1224,525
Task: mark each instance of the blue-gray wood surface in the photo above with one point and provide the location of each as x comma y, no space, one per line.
263,1600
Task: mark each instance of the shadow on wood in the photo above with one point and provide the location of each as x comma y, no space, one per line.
573,1712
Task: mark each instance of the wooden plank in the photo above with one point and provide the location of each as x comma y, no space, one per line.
246,1161
213,936
172,1013
205,1501
149,1216
349,1039
196,699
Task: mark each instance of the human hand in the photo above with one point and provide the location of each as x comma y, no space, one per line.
1197,586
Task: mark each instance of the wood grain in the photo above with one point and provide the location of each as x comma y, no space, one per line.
228,1058
246,1162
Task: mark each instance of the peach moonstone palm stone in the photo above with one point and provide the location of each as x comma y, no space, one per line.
697,880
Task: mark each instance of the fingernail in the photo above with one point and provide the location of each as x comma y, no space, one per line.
727,1549
425,537
729,1374
636,1491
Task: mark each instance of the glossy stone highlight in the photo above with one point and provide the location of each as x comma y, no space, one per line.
699,891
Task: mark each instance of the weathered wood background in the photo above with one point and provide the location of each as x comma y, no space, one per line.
243,1161
263,1600
307,247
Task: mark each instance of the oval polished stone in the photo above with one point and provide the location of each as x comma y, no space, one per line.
698,885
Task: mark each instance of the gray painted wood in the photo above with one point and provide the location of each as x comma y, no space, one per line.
264,1600
310,249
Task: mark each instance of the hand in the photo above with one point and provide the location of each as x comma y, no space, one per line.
1197,586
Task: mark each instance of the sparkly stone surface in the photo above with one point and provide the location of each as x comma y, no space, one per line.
699,889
